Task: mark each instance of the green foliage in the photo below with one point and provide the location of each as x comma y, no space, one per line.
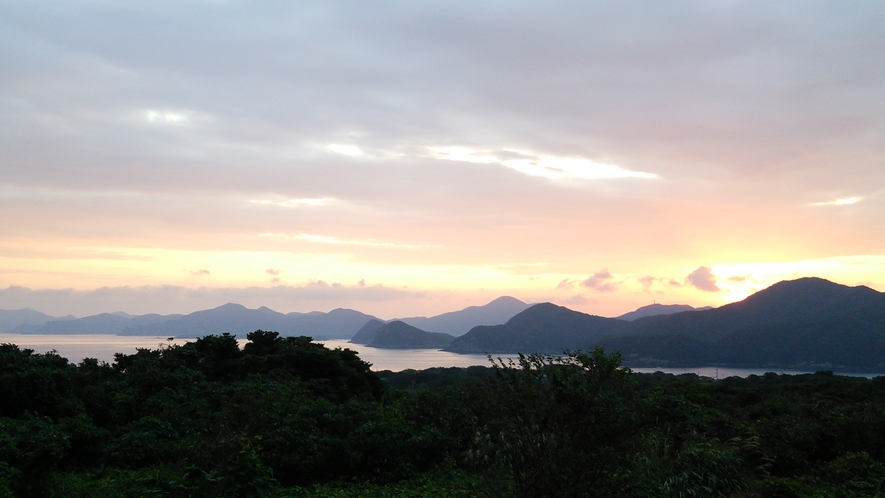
554,426
7,475
35,383
446,483
288,417
697,466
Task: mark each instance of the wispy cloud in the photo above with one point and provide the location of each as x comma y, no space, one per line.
166,117
847,201
344,149
648,281
173,117
291,203
566,284
540,165
324,239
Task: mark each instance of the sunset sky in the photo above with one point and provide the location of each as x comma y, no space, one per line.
412,158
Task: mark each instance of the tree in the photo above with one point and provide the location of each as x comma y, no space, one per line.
554,425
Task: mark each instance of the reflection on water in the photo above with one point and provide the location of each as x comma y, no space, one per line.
103,348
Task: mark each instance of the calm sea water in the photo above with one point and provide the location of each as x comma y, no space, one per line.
103,347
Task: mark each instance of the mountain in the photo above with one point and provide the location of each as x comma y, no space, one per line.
233,318
804,323
658,309
400,335
458,323
105,323
366,333
788,303
542,328
239,320
339,323
13,319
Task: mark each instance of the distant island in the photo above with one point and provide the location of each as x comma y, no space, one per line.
238,320
400,335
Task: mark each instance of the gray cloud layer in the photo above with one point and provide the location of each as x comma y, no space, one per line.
726,83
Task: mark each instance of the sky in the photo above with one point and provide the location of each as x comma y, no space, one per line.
413,158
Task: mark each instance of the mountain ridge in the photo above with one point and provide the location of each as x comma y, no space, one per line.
658,309
808,322
339,323
457,323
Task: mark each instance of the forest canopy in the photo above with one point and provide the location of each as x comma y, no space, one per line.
284,416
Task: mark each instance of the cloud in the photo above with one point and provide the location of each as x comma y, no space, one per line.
566,284
323,239
271,271
541,165
847,201
347,150
177,299
291,203
487,117
737,278
702,279
600,281
577,300
202,272
648,281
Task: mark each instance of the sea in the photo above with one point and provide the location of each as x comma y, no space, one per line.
76,347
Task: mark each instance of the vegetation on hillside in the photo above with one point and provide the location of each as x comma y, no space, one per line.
289,417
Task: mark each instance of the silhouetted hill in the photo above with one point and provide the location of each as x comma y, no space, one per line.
400,335
104,323
366,333
805,323
30,319
458,323
233,318
239,320
542,328
339,323
656,310
661,350
805,300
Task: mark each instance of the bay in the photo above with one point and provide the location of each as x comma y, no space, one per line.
103,347
75,347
